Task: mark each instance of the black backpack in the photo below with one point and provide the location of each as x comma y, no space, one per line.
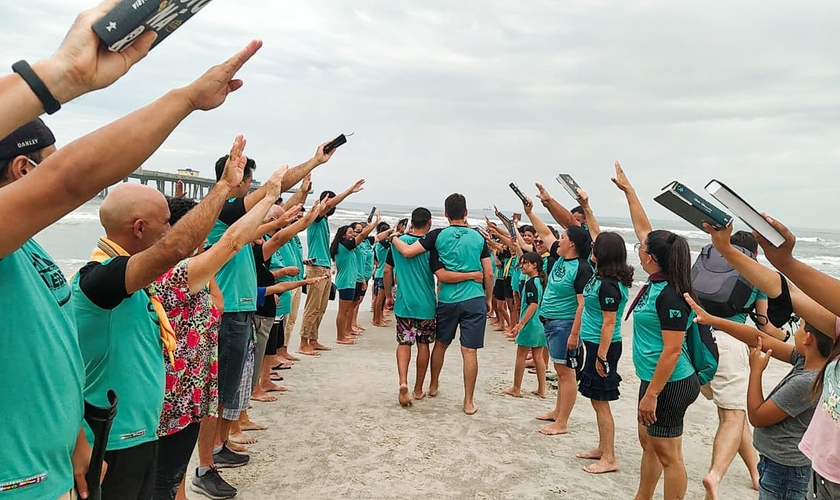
721,289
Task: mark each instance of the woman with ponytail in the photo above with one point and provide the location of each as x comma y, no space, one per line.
529,330
661,317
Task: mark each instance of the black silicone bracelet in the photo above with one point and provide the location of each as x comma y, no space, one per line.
50,103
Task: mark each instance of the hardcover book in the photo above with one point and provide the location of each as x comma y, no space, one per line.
684,202
120,27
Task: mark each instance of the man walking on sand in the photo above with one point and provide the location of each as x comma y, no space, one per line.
464,304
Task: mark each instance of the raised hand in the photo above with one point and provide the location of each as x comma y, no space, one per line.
213,87
528,206
758,359
542,195
291,214
321,157
583,197
358,187
783,254
720,238
620,179
235,165
180,192
306,184
274,184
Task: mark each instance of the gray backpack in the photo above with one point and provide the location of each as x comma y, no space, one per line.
721,289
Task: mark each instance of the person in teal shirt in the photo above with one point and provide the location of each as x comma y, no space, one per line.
464,304
343,252
380,250
604,300
661,318
364,256
529,330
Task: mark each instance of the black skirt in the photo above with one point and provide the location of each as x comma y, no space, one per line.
594,386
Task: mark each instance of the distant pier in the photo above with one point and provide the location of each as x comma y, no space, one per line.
195,187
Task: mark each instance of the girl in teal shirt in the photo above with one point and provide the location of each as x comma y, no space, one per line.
342,251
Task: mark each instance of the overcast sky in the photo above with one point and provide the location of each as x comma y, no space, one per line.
470,95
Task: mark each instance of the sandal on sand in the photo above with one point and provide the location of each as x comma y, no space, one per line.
282,366
275,377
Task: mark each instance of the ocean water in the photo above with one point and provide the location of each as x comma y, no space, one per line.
71,239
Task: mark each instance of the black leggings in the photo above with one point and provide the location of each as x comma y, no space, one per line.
131,472
671,405
174,452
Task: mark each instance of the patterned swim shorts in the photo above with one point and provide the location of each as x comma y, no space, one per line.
411,331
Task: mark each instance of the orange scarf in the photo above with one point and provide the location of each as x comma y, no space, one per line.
107,249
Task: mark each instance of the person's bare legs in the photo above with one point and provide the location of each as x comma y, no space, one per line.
222,428
651,469
566,396
749,455
207,432
343,321
606,440
513,311
518,372
539,364
236,428
422,366
438,356
504,317
403,360
669,453
727,441
470,376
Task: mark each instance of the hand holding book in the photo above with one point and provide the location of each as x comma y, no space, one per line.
781,255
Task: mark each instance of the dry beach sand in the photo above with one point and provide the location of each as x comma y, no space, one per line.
340,433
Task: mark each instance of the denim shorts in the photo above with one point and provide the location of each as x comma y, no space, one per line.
470,315
378,285
782,482
557,333
347,294
234,336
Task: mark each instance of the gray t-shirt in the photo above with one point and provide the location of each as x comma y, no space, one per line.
780,442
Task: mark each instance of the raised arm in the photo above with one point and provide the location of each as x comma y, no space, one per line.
286,234
204,266
641,223
299,197
591,221
769,282
542,229
294,176
358,187
291,285
558,212
79,171
82,64
190,232
368,229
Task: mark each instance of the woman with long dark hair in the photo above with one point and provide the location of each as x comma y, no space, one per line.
661,317
342,252
604,300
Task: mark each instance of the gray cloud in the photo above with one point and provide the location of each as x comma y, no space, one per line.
471,95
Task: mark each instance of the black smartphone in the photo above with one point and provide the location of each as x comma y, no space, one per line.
520,194
372,215
338,141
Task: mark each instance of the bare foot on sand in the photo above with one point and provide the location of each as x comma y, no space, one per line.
263,398
711,482
252,426
308,351
345,341
238,448
548,417
590,455
405,399
269,387
602,467
470,409
433,391
240,438
418,395
291,358
319,347
513,392
554,429
539,394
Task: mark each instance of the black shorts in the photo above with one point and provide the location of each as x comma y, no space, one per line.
508,287
174,452
347,294
360,291
131,472
499,289
470,315
594,386
671,405
277,337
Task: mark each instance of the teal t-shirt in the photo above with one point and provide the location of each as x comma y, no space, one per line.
43,377
755,297
532,333
515,273
566,281
296,250
238,277
284,256
458,249
346,265
120,341
364,256
381,251
599,296
416,293
660,307
318,241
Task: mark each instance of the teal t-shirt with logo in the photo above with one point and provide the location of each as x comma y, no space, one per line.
381,251
532,333
238,277
364,256
416,297
660,307
318,241
458,249
120,341
566,281
346,265
602,295
43,377
283,257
